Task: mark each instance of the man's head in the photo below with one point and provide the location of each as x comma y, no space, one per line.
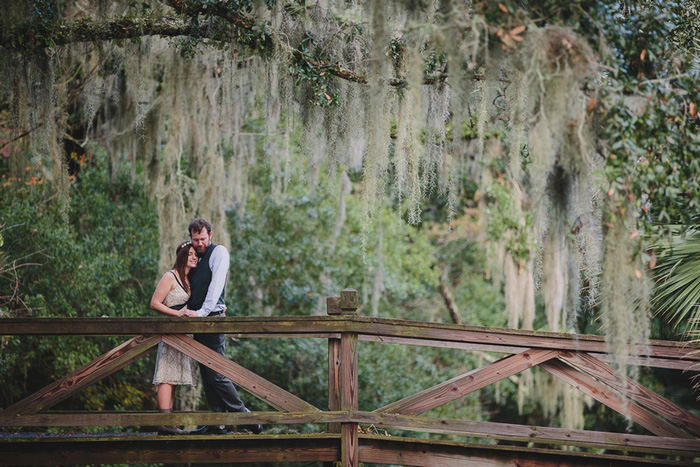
200,233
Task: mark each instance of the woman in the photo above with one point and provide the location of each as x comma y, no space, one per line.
170,297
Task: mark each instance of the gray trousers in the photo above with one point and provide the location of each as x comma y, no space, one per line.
220,392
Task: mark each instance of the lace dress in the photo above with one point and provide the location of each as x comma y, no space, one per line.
172,366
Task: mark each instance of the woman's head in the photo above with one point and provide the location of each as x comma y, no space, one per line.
185,258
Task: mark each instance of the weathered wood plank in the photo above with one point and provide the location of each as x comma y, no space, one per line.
348,372
349,445
429,453
333,380
530,339
645,397
489,430
535,434
349,398
227,449
443,344
290,335
256,385
471,381
302,325
652,362
175,418
612,399
101,367
221,450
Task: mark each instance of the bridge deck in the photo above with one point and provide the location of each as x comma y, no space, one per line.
140,448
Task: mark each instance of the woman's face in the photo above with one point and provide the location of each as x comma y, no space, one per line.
192,258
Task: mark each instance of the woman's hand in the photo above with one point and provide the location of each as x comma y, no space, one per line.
180,312
191,313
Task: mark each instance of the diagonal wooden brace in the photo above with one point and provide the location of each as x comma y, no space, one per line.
256,385
643,396
101,367
612,399
469,382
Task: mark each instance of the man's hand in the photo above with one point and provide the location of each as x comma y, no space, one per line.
191,313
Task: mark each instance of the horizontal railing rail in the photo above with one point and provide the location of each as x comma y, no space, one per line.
655,353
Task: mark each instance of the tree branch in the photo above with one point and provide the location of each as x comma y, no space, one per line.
29,38
86,30
447,297
213,9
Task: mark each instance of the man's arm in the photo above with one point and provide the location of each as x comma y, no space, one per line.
219,263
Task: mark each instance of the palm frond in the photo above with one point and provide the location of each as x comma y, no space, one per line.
677,274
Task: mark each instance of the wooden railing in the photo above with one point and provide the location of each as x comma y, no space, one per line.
579,360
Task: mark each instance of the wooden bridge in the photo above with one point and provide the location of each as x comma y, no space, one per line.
579,360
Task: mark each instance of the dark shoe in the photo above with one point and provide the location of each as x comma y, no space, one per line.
255,429
210,430
171,430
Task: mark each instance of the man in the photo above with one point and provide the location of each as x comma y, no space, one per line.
207,285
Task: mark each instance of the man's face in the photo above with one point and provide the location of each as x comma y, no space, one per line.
201,240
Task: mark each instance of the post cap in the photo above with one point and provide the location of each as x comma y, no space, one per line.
333,305
348,301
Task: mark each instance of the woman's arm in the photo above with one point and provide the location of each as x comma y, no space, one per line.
165,285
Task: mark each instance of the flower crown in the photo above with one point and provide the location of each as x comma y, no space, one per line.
182,245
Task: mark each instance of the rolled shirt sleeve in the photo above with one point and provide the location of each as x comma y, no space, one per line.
218,263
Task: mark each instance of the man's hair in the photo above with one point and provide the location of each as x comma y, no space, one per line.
197,225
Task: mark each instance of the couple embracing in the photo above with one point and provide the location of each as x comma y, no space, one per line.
195,287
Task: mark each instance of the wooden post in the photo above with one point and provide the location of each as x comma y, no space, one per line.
349,450
333,308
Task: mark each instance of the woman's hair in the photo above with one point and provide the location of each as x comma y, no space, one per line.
181,254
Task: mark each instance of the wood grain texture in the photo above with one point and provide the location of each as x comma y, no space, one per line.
471,381
333,306
333,381
645,397
310,325
418,452
612,399
101,367
652,362
349,445
174,418
233,449
349,398
488,430
221,450
256,385
349,301
535,434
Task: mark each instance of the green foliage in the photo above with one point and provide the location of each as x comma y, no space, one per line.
677,291
279,255
312,66
509,225
647,107
397,46
102,263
